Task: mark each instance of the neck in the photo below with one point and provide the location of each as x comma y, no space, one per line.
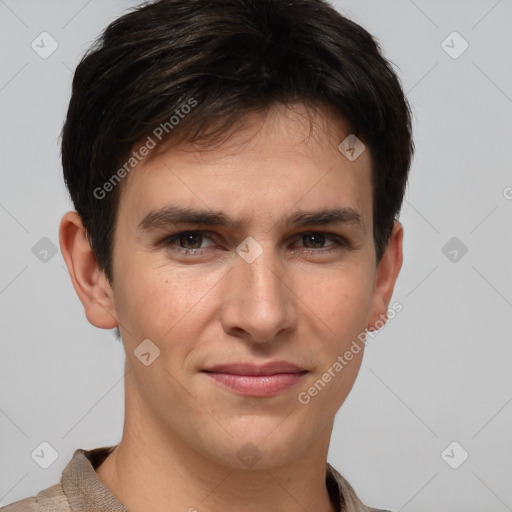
154,471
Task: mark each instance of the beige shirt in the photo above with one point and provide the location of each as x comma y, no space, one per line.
81,490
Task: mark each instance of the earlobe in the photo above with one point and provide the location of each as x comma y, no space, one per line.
89,282
385,278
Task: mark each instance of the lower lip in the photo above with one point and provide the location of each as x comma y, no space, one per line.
257,385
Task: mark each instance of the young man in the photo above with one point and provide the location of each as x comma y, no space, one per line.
237,167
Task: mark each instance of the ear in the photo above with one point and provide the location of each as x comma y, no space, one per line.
89,282
385,277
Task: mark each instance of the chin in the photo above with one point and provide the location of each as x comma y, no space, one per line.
270,443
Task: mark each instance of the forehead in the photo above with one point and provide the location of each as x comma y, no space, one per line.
287,159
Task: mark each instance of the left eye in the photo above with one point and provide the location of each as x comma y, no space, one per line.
313,243
318,239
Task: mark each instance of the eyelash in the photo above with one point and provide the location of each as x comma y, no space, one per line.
339,243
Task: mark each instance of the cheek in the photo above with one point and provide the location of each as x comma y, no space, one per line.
163,304
337,306
341,300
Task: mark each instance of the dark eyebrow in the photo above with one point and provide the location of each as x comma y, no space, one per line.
329,216
176,215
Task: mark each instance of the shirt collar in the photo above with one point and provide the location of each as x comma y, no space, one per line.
83,487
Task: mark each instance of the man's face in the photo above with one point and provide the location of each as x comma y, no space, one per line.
204,299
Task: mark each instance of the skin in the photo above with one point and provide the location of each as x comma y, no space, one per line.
296,302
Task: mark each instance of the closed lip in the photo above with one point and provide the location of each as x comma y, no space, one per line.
272,368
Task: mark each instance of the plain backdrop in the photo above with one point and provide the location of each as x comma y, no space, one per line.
437,374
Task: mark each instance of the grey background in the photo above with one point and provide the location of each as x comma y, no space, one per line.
438,372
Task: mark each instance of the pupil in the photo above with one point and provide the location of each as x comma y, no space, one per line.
317,239
188,239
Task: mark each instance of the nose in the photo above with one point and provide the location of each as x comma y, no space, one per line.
258,301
